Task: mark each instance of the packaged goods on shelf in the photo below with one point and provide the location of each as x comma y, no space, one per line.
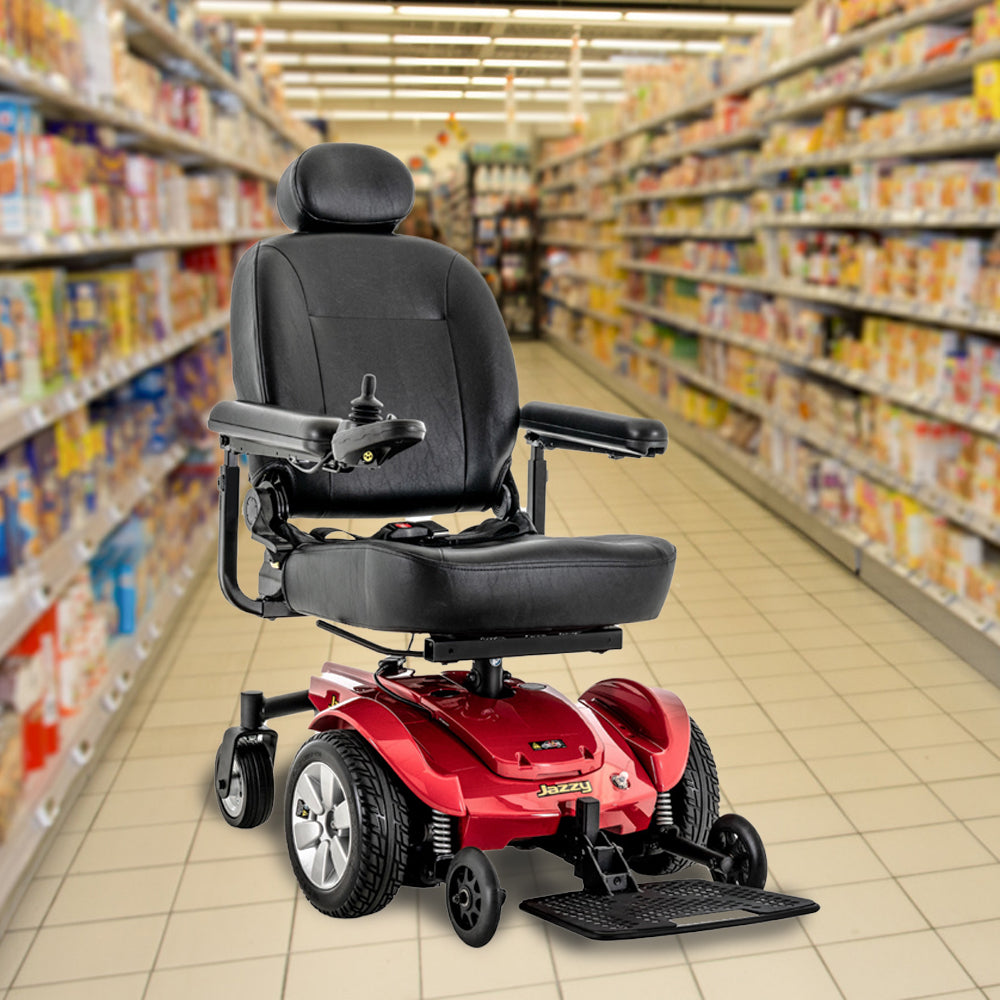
698,171
709,213
731,256
840,75
915,47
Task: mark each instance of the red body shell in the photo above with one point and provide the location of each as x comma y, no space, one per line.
511,768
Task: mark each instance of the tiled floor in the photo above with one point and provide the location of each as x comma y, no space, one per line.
865,752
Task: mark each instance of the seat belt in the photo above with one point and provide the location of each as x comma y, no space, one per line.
433,535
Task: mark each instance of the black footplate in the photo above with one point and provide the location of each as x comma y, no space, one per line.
671,907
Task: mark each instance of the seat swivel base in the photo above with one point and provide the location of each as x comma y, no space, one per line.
672,907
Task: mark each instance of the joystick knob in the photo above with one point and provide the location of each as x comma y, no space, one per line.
366,409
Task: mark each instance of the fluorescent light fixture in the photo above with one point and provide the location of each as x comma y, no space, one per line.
419,93
483,116
408,80
586,84
270,35
500,81
338,38
303,93
762,20
489,95
358,115
357,93
561,14
696,45
524,63
634,44
417,116
441,39
678,17
482,13
290,79
281,58
436,61
338,59
351,79
601,65
235,9
320,8
544,117
536,43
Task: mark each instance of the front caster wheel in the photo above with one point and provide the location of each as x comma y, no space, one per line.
474,896
251,786
736,837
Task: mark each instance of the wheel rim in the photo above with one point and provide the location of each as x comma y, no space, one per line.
732,845
233,802
321,825
466,899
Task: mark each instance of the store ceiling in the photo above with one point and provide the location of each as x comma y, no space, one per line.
353,61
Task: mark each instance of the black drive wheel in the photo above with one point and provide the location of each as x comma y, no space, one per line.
694,806
251,786
474,896
736,837
346,825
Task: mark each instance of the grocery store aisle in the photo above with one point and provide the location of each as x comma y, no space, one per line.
866,753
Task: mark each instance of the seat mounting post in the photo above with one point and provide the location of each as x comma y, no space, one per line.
538,474
486,678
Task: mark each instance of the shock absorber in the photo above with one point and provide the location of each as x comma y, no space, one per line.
442,833
663,815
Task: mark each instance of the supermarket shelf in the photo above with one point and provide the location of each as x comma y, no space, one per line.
750,282
56,93
51,791
956,623
563,213
560,185
554,241
699,191
733,140
681,233
917,219
164,36
23,419
558,271
925,402
87,245
36,589
601,317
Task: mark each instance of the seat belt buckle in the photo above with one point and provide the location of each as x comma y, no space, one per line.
399,531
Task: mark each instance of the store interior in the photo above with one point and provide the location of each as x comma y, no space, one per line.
774,227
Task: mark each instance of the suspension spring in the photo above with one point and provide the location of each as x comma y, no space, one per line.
442,833
664,812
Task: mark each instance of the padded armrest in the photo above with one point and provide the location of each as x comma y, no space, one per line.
579,429
259,429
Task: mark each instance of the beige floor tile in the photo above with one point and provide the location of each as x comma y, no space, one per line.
192,712
967,697
215,839
956,897
844,658
676,982
894,968
518,957
710,610
164,772
798,819
674,673
200,937
579,958
753,642
862,910
932,848
249,979
750,748
101,776
730,942
988,832
112,895
235,882
983,724
911,650
733,720
59,854
315,931
933,673
167,741
166,805
798,712
898,631
970,798
859,680
818,618
834,741
902,704
975,946
782,975
134,847
808,864
14,945
700,695
202,686
390,969
956,760
837,636
537,991
665,652
34,903
788,687
769,782
739,625
753,665
127,987
921,731
893,808
857,772
98,948
784,604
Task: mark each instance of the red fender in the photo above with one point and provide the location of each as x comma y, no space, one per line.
390,737
653,723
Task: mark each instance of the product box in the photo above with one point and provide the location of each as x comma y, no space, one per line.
16,123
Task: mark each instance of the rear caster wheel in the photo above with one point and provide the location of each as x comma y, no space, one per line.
736,837
251,786
474,896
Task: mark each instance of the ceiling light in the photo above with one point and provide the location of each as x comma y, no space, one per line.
524,63
436,61
540,43
702,46
322,9
338,59
602,65
234,9
303,93
280,58
358,115
762,20
416,116
588,84
338,38
356,92
483,116
486,95
544,117
349,78
678,17
269,34
560,14
634,44
293,78
501,81
419,93
441,39
483,13
409,80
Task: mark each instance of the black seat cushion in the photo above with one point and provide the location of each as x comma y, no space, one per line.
532,583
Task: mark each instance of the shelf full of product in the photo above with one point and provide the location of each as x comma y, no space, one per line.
137,162
822,303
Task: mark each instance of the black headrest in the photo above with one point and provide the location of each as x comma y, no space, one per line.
336,186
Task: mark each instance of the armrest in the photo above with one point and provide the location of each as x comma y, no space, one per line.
556,426
259,429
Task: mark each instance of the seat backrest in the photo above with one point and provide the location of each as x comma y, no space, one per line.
343,295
